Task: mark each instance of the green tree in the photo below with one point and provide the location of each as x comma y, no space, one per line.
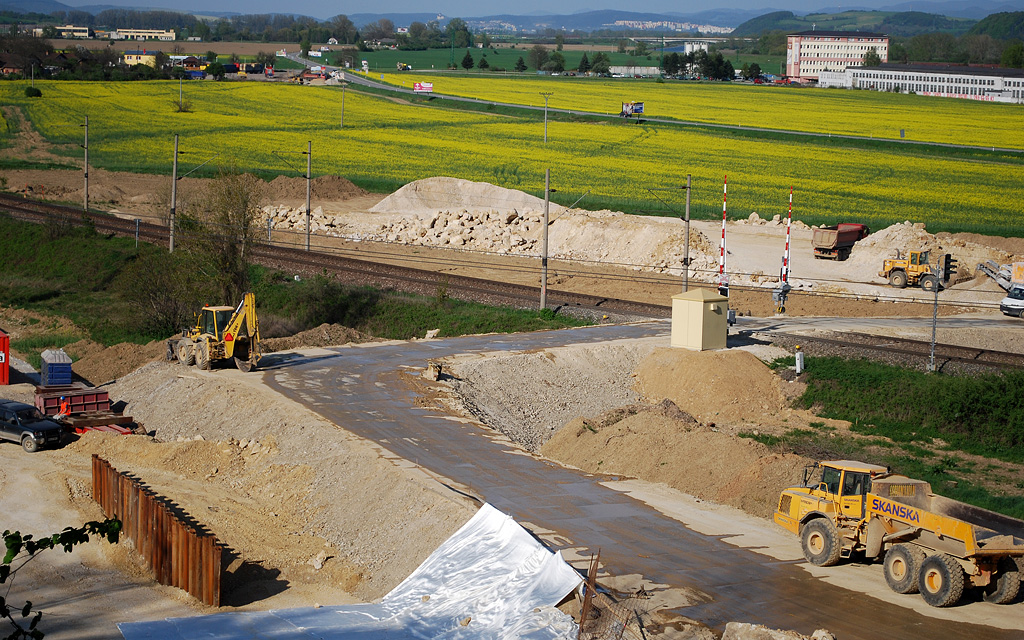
520,65
220,230
537,56
559,41
1013,55
211,57
467,61
305,46
483,64
584,64
871,58
20,549
458,32
601,63
556,63
216,70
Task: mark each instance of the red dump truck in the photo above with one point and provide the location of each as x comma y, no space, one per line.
835,243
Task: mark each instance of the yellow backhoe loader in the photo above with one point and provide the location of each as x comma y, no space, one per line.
219,334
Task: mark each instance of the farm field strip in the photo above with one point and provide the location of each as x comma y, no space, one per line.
265,128
870,114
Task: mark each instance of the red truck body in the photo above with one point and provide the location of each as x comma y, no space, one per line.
835,243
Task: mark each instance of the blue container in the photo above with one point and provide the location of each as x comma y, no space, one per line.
56,369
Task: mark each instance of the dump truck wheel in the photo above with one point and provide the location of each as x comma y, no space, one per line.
186,352
929,283
1005,584
941,580
30,445
820,542
898,279
902,565
203,356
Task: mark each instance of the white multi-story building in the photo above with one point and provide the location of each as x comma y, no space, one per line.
944,81
808,53
66,31
143,34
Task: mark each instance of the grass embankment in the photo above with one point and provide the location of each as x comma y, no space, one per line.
922,425
93,281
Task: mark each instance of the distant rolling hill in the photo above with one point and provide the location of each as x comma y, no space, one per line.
906,23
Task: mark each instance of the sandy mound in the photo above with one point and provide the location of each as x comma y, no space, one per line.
98,365
327,187
680,453
435,194
326,335
713,386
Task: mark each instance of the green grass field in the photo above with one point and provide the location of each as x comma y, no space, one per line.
264,128
499,58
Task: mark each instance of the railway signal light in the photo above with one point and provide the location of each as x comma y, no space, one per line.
949,265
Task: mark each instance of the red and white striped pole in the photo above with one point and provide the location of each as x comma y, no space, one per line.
789,224
722,282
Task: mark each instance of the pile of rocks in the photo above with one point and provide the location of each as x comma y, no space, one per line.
776,221
286,218
501,232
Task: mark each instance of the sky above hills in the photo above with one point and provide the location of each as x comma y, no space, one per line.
469,8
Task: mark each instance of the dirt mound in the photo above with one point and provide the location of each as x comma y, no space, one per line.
99,365
431,195
678,452
327,187
326,335
713,386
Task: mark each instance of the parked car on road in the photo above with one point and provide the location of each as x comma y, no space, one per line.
23,423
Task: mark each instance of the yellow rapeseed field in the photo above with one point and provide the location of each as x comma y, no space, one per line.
860,113
265,127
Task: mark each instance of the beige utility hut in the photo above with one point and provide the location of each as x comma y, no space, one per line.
699,320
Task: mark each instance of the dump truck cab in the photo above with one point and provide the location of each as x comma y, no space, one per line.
836,490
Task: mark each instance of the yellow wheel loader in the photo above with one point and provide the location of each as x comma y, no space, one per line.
927,543
219,334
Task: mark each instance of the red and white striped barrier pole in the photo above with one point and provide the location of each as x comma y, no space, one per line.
789,225
723,283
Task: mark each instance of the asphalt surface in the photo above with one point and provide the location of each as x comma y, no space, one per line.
360,389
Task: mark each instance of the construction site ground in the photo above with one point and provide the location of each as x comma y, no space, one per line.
314,514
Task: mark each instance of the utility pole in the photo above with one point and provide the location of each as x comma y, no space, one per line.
686,248
309,186
174,191
544,243
85,165
546,96
344,85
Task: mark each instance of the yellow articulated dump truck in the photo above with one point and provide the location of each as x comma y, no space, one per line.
928,543
220,334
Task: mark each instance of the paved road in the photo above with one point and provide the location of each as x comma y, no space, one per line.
359,389
356,78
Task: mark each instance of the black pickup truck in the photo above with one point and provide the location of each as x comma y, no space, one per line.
23,423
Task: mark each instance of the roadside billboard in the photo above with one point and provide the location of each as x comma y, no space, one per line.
632,109
423,87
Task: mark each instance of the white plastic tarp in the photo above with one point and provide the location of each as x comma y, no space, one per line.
491,579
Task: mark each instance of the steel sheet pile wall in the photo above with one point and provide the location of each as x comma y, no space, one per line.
179,555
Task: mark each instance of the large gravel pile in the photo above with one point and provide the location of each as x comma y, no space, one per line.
529,396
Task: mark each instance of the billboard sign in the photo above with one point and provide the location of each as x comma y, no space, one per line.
632,109
317,54
423,87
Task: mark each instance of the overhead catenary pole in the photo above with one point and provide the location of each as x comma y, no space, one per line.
344,85
789,225
85,165
544,243
174,193
686,247
309,187
546,96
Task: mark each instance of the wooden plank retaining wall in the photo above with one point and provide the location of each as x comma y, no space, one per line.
179,555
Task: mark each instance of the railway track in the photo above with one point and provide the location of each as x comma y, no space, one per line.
425,282
904,349
355,271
